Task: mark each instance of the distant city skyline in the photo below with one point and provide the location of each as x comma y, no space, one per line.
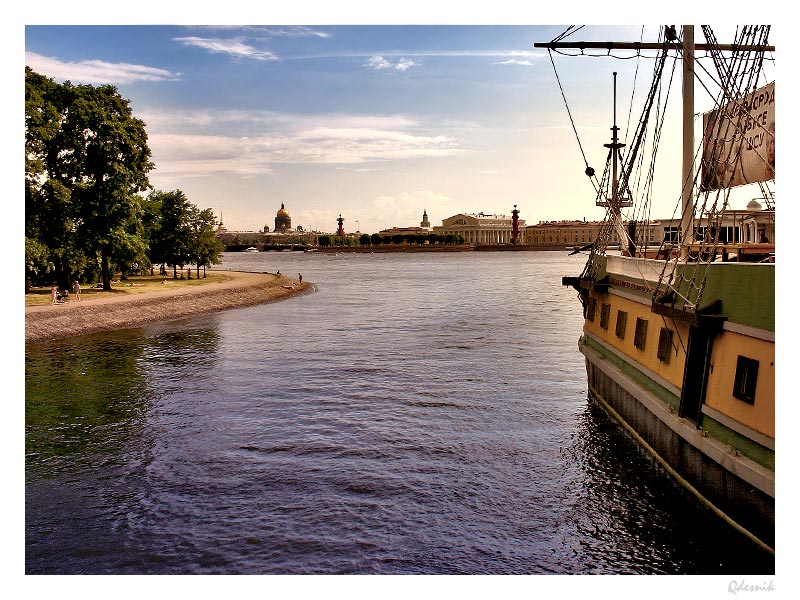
373,122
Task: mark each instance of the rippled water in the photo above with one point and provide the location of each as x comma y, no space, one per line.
418,413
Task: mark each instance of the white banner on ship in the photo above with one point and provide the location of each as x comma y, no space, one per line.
739,141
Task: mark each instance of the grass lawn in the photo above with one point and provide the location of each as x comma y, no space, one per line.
135,284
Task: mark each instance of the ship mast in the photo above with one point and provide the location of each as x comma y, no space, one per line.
688,49
617,200
687,171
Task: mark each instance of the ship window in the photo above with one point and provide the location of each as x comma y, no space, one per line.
744,382
665,345
604,314
640,337
622,321
591,308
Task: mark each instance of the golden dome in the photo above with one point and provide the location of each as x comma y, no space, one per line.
282,212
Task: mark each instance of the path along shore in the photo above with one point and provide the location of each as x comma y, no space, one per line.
58,321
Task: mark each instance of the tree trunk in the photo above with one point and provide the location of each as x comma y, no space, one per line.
198,270
106,276
174,271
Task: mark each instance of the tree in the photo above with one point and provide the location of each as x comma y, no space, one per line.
364,240
36,261
49,207
397,238
375,239
324,241
87,160
129,247
173,233
205,246
109,162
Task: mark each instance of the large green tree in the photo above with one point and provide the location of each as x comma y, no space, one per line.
87,160
49,208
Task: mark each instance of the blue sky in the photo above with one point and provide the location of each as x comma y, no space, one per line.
376,122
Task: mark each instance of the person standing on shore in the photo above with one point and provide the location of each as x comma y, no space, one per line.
301,278
77,290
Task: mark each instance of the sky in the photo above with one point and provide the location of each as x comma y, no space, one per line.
375,122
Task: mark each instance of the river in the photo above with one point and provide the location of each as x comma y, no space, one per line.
414,414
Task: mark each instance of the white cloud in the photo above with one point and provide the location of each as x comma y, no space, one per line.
247,121
234,47
95,71
191,143
269,31
380,63
516,61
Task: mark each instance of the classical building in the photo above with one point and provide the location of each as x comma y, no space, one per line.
282,235
480,228
754,225
580,233
283,222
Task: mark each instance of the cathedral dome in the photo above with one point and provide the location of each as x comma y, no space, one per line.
283,222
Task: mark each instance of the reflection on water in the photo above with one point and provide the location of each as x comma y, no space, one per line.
417,414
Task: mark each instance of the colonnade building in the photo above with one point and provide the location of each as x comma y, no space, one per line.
480,228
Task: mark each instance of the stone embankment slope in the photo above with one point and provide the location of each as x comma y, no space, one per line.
120,312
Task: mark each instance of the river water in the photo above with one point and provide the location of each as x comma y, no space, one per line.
414,414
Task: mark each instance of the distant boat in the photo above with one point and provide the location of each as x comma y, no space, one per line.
251,249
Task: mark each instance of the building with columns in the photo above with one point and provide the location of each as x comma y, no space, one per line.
480,228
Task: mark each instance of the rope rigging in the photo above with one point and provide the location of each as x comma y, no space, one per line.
735,77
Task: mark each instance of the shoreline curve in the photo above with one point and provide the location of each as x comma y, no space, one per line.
48,322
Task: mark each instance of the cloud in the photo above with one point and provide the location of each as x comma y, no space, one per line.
516,61
191,144
96,71
233,47
244,122
404,208
379,63
295,32
268,31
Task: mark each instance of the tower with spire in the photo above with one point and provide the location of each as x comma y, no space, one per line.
425,223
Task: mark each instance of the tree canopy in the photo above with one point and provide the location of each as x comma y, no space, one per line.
86,169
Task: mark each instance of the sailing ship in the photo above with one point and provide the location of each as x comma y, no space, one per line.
679,334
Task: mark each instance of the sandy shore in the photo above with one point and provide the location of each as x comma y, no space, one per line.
104,314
